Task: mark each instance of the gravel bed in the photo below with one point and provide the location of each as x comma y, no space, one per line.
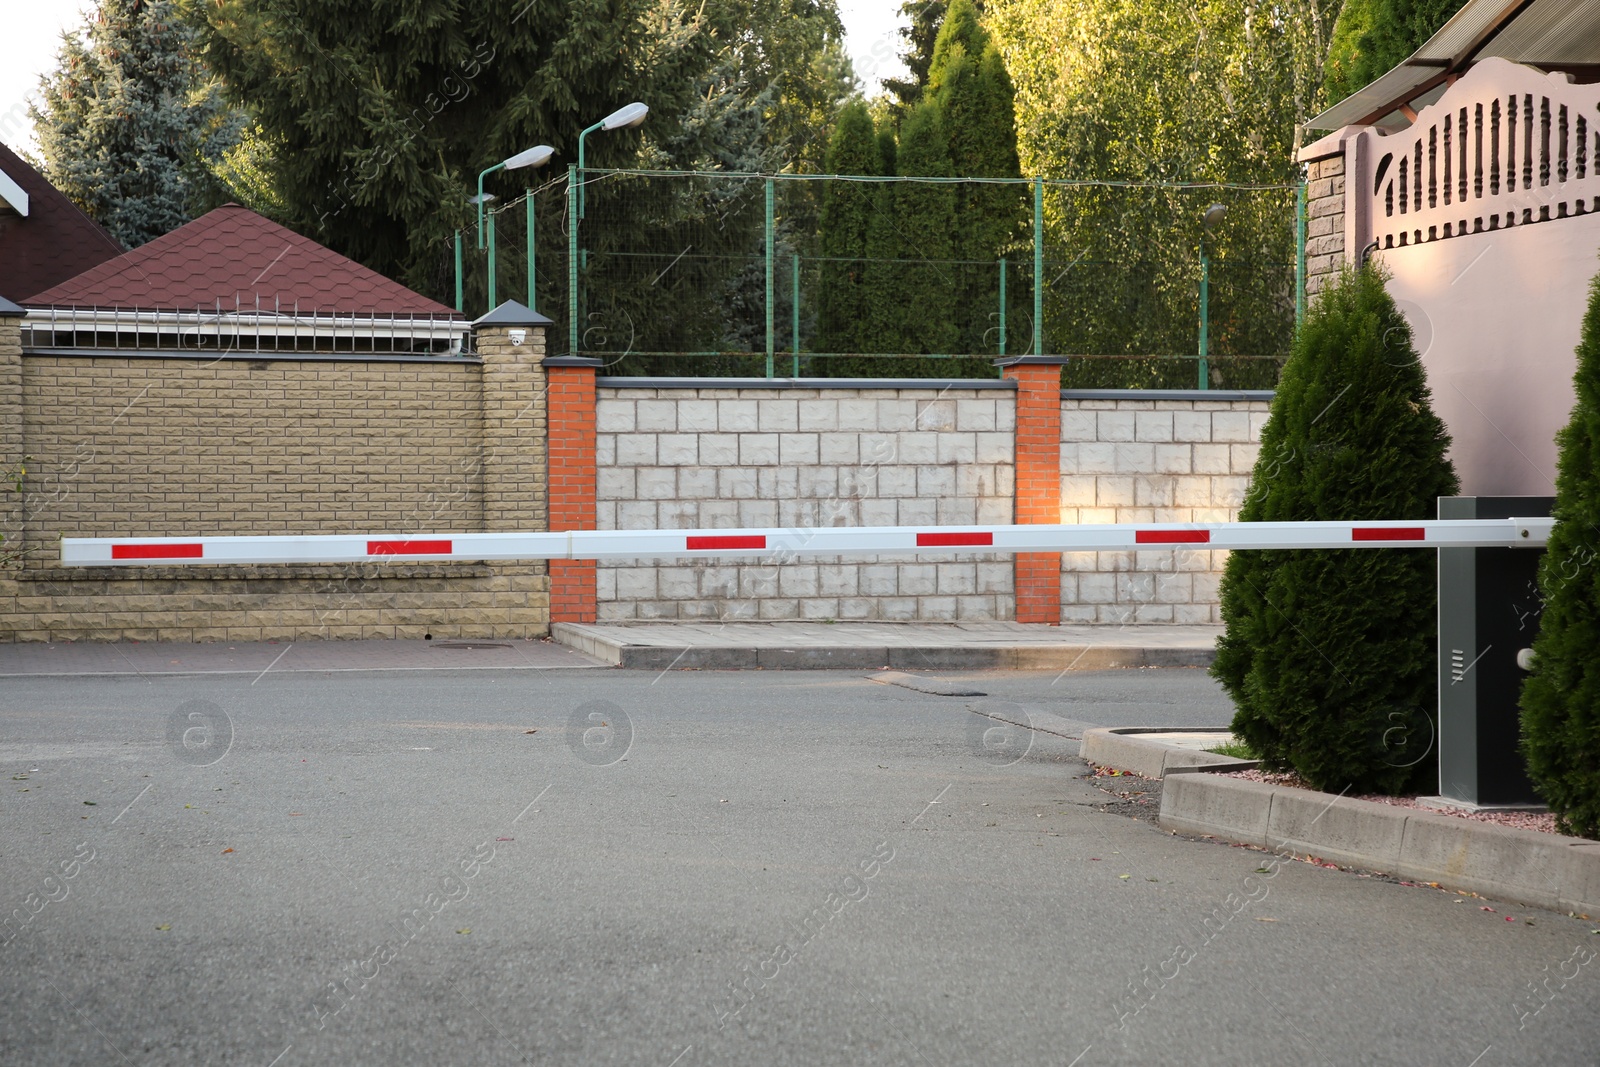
1544,822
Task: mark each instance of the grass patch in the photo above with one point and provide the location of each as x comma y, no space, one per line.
1235,750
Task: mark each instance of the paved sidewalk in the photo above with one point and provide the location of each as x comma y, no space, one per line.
907,646
241,657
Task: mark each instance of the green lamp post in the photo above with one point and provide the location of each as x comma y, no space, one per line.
1212,216
622,118
537,156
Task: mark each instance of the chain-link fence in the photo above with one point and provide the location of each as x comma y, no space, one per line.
714,274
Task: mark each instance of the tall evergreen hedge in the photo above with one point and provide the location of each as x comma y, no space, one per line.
1329,653
1561,699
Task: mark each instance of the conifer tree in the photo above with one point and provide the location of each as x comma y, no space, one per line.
1329,653
847,209
1561,698
968,83
132,127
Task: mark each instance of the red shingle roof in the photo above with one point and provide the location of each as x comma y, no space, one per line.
56,241
237,257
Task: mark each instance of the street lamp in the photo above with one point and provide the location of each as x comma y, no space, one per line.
536,156
620,119
1212,216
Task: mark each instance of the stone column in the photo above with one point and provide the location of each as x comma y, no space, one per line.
511,341
11,442
572,481
1038,493
1325,211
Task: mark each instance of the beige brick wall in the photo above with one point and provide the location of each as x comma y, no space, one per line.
1134,461
173,446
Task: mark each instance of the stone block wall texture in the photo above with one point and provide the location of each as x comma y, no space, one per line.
1162,460
1325,212
177,446
718,458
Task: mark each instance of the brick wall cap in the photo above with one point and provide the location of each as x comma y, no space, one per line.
1166,394
512,313
1042,361
803,383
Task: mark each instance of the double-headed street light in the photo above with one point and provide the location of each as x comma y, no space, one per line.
1212,216
534,157
620,119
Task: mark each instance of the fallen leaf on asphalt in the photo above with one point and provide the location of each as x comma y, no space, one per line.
90,803
1094,859
292,814
226,851
465,930
530,731
505,839
1264,919
164,926
1262,870
1485,907
1124,876
1510,919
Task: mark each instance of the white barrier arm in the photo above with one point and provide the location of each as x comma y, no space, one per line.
787,543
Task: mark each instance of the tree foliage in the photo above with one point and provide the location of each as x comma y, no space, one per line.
1329,653
1145,91
1372,37
847,211
131,126
1561,699
381,116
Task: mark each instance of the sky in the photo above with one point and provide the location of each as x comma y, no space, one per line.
33,29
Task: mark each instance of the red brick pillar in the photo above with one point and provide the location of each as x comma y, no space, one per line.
572,481
1037,576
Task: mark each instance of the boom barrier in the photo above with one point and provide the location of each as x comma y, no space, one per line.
801,541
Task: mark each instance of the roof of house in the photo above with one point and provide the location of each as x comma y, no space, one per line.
44,238
1549,34
233,257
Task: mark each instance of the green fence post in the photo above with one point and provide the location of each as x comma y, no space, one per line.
1038,266
533,298
491,262
771,336
796,310
1300,255
1002,306
572,260
461,303
1205,323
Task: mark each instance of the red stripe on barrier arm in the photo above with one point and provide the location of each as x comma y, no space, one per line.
1390,533
1171,537
708,544
932,540
190,551
409,548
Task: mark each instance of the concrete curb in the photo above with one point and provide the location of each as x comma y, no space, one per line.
1121,747
1520,866
656,657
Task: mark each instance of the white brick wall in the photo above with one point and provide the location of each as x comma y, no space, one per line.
719,458
722,458
1125,460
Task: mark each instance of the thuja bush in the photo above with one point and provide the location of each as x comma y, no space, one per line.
1561,699
1329,653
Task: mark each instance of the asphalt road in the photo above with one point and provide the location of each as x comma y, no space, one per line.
607,867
